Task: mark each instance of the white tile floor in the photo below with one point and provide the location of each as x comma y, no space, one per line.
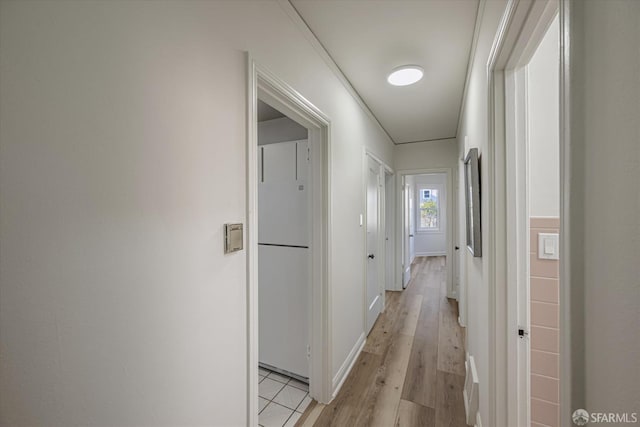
282,399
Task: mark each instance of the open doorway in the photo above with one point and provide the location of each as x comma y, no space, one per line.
543,166
526,79
287,254
284,261
535,90
426,229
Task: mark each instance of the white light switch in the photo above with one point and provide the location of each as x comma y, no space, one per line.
548,246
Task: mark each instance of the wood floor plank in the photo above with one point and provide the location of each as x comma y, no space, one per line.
345,408
450,340
429,320
420,381
378,339
450,404
381,400
410,321
310,414
413,415
395,380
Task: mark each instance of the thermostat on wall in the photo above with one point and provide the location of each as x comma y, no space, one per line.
232,238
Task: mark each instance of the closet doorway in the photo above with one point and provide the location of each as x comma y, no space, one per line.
284,261
288,205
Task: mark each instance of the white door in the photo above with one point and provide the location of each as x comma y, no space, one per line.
412,225
406,257
374,293
390,232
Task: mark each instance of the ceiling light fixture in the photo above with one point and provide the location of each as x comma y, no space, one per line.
405,75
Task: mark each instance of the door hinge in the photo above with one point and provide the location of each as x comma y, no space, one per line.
522,333
308,352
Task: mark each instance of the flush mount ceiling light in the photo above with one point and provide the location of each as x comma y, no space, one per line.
405,75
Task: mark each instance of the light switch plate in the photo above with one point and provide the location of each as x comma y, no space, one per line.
548,246
233,237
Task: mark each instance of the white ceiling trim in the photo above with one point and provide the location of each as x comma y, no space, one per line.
324,54
427,140
472,58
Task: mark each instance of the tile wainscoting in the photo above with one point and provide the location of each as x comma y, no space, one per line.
545,329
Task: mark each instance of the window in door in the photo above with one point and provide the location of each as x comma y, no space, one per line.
429,210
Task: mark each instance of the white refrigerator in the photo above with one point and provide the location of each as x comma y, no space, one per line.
283,256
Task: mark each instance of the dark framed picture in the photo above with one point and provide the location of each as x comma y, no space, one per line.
472,198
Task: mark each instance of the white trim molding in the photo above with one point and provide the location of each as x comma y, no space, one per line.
471,393
350,361
568,382
264,85
436,253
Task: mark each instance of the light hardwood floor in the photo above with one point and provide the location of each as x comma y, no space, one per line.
411,370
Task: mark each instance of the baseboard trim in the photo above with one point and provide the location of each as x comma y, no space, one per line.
346,367
437,253
394,287
461,323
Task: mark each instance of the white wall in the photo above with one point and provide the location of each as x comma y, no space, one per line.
605,168
604,243
473,125
430,243
122,132
442,153
279,130
543,75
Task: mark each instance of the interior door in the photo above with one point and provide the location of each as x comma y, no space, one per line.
390,233
374,293
412,225
406,257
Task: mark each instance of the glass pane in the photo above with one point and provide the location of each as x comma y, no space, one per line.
429,208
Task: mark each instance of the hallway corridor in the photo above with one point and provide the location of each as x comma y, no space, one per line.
411,370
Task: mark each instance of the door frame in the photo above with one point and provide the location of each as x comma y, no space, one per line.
518,240
383,169
263,84
522,27
451,227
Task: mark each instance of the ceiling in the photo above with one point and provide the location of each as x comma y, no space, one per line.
367,39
